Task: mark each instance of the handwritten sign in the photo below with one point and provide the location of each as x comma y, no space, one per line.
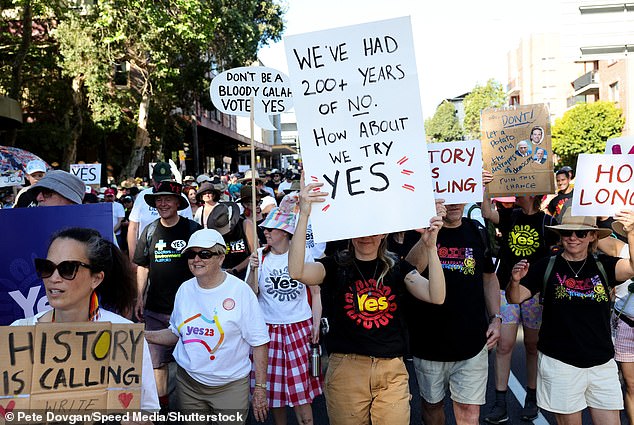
516,148
604,184
88,173
62,366
361,128
620,145
456,168
232,90
12,178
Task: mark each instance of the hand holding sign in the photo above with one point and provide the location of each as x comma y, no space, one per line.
232,90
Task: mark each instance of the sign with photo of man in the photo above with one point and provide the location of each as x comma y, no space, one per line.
517,149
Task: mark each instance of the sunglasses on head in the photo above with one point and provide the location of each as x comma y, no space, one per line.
579,233
205,254
66,269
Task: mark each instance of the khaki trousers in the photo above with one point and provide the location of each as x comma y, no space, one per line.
364,390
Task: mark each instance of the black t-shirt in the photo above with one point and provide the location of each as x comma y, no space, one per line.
237,246
168,270
524,237
365,317
456,329
576,317
557,203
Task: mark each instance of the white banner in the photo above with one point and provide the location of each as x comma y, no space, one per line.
88,173
604,184
12,179
361,129
456,168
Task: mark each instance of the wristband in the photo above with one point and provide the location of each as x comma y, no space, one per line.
263,386
495,316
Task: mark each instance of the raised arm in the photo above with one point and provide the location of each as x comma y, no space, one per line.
432,290
307,273
417,256
487,211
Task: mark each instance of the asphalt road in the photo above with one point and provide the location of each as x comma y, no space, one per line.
517,386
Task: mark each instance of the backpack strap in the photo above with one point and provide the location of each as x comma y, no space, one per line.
549,270
604,275
151,228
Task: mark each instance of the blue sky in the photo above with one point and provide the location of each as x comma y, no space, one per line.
458,43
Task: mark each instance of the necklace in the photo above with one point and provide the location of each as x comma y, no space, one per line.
573,270
376,267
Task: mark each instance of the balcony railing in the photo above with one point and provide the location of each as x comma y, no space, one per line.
585,80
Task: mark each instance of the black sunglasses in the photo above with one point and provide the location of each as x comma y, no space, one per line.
568,233
205,254
66,269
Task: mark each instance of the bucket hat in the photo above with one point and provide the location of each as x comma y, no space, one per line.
570,222
167,187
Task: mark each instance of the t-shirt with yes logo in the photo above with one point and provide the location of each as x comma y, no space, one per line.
283,300
524,237
365,316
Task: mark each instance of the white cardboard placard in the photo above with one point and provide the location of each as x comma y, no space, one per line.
456,168
88,173
604,184
361,129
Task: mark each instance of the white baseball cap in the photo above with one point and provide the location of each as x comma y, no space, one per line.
205,238
34,166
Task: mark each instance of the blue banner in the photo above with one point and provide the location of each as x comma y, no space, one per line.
26,233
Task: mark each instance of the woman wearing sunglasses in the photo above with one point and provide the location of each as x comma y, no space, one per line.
86,276
215,323
576,367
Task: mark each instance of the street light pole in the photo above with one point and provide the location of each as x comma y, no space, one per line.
195,144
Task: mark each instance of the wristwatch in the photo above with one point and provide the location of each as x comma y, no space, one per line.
495,316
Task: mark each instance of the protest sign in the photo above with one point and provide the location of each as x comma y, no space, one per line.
232,90
72,366
12,178
604,184
620,145
456,168
516,148
361,128
26,235
88,173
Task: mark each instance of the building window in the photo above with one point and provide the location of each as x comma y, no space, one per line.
121,76
614,92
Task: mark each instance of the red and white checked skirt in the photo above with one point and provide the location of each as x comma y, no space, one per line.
288,374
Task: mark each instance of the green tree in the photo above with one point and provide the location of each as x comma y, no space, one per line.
490,95
170,48
444,126
585,129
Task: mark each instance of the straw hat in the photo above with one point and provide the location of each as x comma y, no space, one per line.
570,222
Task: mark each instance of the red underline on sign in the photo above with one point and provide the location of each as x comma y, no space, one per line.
407,172
402,160
314,178
326,207
408,187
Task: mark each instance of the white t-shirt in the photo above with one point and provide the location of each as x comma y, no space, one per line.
149,396
143,214
317,250
285,185
283,300
117,213
217,328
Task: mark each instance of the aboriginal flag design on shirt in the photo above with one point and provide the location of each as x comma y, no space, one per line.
372,306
